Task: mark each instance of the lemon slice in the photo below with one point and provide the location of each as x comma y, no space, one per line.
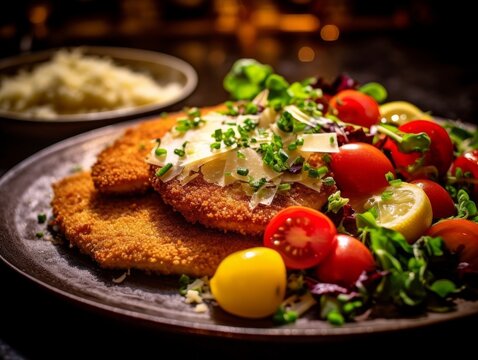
405,208
400,112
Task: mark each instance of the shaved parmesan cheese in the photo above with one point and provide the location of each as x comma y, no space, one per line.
264,196
261,98
172,173
314,184
299,304
267,118
213,172
183,181
252,161
226,149
203,154
323,143
299,115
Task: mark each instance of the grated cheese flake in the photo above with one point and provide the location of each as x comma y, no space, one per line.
323,143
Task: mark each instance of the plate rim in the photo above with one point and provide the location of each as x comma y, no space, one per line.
132,53
286,333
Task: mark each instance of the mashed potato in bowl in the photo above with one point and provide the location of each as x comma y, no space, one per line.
74,83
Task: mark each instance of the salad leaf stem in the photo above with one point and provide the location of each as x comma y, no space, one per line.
406,142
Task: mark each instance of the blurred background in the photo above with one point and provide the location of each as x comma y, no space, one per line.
418,49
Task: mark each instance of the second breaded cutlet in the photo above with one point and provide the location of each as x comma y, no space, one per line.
121,167
138,232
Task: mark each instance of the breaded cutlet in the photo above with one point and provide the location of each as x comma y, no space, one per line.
121,167
227,208
138,232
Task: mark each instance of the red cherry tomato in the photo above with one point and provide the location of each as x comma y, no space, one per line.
303,236
356,108
459,236
359,169
468,162
345,262
442,203
439,155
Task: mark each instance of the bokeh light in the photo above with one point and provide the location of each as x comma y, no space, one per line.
330,32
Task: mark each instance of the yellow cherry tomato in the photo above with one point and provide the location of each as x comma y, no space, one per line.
250,283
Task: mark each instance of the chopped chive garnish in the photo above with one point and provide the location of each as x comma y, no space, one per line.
292,146
194,112
395,182
179,152
284,187
326,158
389,176
329,181
41,218
164,169
283,155
335,318
257,184
183,125
241,155
192,121
387,195
227,173
217,135
39,234
323,170
197,121
283,316
298,161
215,145
229,141
313,173
331,140
160,152
242,171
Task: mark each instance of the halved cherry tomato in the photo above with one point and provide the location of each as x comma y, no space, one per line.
303,236
344,264
356,108
359,169
440,154
468,162
460,236
442,203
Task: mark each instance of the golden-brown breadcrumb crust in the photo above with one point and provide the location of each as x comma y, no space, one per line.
138,232
121,167
227,208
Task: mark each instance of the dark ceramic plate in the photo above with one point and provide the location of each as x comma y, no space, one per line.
25,191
